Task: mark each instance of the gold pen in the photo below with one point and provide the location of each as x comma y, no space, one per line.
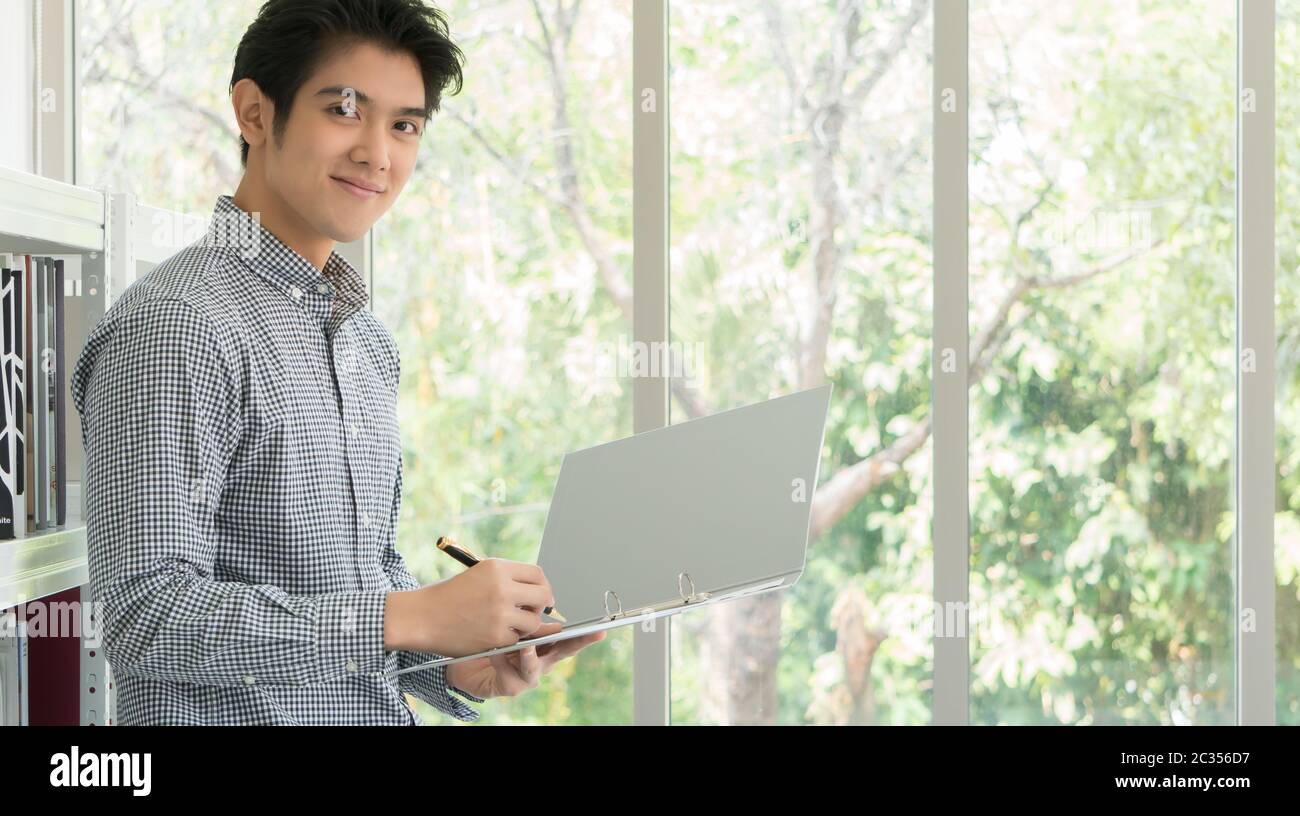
462,554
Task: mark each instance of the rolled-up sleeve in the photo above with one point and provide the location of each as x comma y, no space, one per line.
161,418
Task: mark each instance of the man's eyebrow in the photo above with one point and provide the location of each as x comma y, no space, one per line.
363,99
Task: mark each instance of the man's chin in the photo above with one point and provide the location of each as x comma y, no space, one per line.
349,237
350,233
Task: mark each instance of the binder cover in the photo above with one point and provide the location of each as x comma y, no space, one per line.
679,517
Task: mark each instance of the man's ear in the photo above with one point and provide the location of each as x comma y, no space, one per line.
253,111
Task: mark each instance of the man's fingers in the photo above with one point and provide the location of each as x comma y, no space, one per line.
530,665
532,596
547,628
568,648
526,623
528,574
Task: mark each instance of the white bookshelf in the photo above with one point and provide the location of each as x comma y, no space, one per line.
40,216
44,563
45,212
115,240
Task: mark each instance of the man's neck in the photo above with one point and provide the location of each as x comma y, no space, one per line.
282,222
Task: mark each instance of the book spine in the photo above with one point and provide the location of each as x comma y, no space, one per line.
39,380
50,406
20,385
8,468
60,402
29,368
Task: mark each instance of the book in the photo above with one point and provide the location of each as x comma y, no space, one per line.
49,407
10,497
60,402
40,384
20,371
28,461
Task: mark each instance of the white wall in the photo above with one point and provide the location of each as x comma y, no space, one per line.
17,97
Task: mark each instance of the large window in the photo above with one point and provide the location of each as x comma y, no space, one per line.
17,92
800,255
156,118
1101,406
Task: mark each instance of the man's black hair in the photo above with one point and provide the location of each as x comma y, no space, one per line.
291,39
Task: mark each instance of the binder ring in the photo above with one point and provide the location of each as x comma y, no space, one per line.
608,613
681,591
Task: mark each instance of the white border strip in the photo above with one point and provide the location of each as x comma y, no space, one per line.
651,675
1256,337
949,363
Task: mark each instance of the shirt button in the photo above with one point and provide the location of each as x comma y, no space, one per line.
248,679
323,288
365,519
296,292
197,491
356,432
352,665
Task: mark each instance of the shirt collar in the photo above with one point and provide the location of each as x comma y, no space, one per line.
283,267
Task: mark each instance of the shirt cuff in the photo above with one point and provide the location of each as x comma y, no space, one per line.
350,633
431,686
466,694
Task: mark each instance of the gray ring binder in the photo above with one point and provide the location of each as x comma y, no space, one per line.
708,473
693,597
612,615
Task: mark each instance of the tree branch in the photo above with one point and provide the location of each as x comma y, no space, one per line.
776,33
826,123
849,485
886,57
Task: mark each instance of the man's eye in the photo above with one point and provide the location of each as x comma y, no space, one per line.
415,131
343,108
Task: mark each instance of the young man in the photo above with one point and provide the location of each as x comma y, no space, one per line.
243,461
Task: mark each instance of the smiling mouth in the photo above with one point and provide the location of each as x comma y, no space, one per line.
359,192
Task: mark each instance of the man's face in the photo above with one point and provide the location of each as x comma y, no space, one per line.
350,120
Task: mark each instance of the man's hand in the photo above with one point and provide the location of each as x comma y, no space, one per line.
512,673
492,604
